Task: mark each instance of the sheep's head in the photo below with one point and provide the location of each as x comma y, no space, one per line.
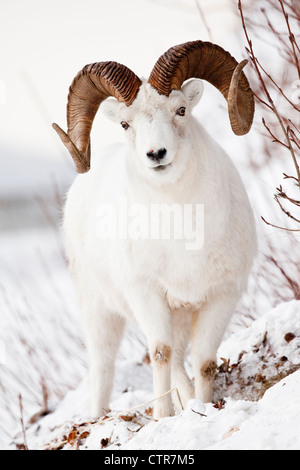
157,128
153,113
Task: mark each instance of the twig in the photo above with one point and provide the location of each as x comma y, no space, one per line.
277,86
276,197
143,404
290,141
295,287
290,177
282,194
105,420
281,228
44,409
294,138
291,37
24,447
275,139
198,413
266,92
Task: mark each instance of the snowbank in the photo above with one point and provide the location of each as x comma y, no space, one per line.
261,363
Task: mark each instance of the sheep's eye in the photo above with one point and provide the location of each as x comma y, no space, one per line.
125,125
181,111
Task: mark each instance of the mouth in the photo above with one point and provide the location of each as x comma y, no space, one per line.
161,167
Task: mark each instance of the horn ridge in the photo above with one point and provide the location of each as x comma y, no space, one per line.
93,84
210,62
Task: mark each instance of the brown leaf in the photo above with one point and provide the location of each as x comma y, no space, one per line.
72,437
149,411
220,404
104,418
21,446
289,337
84,434
259,378
283,359
104,442
128,417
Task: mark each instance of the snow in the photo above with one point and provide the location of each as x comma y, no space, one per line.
43,364
267,419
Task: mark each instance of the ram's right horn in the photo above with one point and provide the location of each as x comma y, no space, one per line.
92,85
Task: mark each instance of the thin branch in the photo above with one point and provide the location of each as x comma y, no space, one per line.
283,195
278,35
281,228
295,287
269,98
294,138
275,139
277,86
24,447
276,197
291,177
291,37
262,101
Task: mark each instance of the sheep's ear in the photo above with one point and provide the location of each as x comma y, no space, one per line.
110,108
192,90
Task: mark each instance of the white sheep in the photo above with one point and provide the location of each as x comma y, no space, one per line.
175,290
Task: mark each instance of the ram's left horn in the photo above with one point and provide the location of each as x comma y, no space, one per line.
212,63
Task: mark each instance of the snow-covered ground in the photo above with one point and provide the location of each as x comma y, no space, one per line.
256,403
43,369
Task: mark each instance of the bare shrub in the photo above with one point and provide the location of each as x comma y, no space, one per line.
278,92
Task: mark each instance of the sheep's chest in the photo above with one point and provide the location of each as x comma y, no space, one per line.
183,275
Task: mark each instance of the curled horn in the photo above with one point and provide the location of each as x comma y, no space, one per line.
209,62
92,85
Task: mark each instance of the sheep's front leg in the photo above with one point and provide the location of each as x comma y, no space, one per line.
208,328
179,377
154,318
161,358
103,335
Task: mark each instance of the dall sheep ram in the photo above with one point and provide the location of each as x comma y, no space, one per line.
178,287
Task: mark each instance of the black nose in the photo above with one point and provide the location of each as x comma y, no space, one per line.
157,156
